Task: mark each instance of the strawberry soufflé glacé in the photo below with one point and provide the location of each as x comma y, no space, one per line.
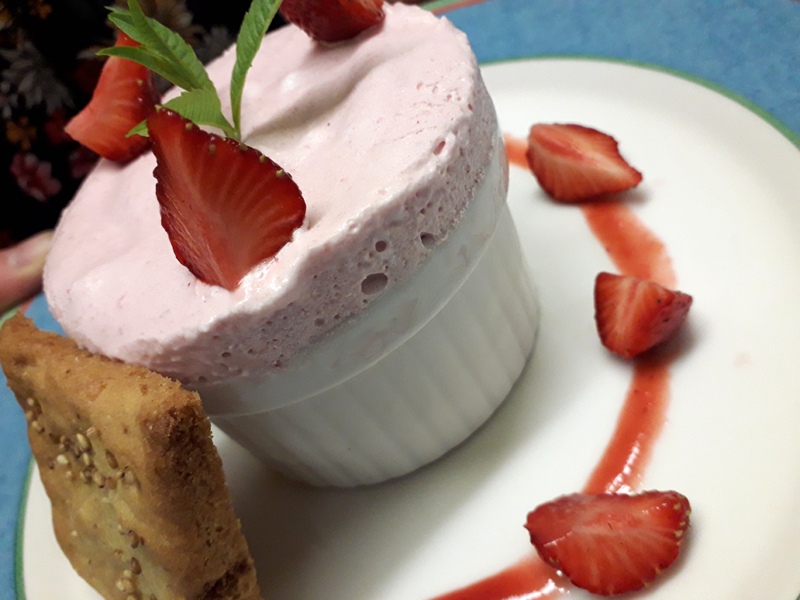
397,313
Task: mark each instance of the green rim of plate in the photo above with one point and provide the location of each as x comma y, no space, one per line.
439,6
19,575
776,123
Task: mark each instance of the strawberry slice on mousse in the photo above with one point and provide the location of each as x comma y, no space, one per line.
124,97
225,206
610,543
634,315
574,163
333,20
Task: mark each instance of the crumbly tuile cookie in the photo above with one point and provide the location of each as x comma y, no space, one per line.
140,505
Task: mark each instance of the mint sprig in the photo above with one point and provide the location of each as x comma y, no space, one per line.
164,52
254,27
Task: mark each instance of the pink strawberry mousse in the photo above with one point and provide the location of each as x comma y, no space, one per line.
387,138
393,140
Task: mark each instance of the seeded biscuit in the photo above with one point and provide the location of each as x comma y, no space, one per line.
140,505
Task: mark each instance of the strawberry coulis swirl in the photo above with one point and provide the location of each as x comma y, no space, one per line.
635,251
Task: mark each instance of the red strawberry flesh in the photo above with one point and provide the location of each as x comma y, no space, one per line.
333,20
574,163
610,543
124,97
225,206
633,315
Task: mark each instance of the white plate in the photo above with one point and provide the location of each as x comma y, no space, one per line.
722,191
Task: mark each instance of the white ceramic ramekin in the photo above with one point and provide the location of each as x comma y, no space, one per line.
412,376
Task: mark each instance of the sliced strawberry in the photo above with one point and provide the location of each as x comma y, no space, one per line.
633,315
333,20
574,163
124,96
610,543
225,206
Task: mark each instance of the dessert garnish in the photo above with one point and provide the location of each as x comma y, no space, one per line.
124,96
164,52
333,20
573,163
610,543
634,315
225,206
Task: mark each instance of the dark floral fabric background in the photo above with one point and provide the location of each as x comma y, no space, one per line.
48,69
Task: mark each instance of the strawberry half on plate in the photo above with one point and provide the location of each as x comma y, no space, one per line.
225,206
610,543
124,97
573,163
634,315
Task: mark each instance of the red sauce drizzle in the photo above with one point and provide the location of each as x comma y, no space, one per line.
635,251
633,248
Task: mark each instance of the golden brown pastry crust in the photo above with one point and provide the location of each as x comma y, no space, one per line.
140,505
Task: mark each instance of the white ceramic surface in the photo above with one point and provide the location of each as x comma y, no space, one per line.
422,399
424,366
721,190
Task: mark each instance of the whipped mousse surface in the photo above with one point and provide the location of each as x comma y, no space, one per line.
388,137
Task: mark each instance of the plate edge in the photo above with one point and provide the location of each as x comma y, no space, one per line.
787,132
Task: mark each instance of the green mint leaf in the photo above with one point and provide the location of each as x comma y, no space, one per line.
156,63
202,107
183,54
254,26
199,106
164,52
140,129
163,46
